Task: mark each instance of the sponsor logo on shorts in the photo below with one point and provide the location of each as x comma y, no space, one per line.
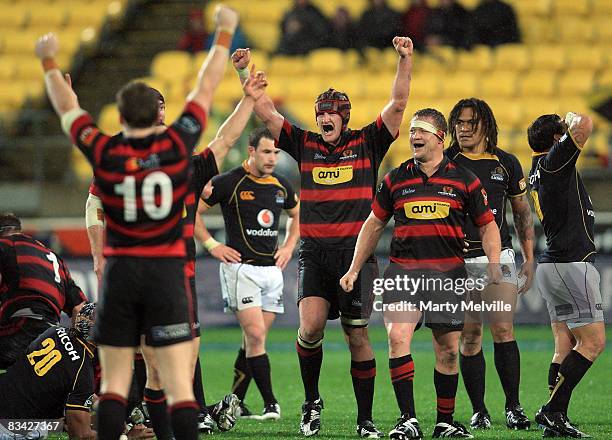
247,300
505,270
265,218
598,306
261,232
332,175
564,309
160,333
89,402
426,210
497,174
247,195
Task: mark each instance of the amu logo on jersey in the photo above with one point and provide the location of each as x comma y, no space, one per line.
426,210
332,175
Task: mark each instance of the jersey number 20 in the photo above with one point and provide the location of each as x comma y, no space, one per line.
150,183
48,357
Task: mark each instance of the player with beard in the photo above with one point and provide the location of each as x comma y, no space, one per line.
474,145
339,169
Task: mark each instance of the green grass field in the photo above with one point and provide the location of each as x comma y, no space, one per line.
591,405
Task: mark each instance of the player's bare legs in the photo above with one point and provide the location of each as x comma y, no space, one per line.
116,364
313,318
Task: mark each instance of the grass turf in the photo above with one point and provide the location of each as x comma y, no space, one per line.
590,407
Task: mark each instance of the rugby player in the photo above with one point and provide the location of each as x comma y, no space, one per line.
474,145
566,277
429,198
339,169
143,177
252,198
35,287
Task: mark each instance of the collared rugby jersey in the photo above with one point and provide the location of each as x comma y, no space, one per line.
143,183
562,204
55,374
430,213
337,182
251,210
501,175
33,276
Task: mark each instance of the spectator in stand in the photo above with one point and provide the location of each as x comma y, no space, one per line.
196,38
495,23
414,22
343,34
449,24
303,29
379,24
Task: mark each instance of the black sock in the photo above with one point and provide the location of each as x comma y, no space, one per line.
571,371
310,355
446,390
364,374
508,365
260,369
242,375
184,417
111,416
198,387
140,375
402,376
156,406
133,399
473,369
553,374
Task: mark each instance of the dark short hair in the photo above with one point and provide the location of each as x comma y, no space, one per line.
438,117
483,114
8,222
541,133
257,134
160,97
138,104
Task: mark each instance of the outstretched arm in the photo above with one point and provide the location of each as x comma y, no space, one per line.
393,112
232,128
523,224
580,127
264,107
94,220
213,68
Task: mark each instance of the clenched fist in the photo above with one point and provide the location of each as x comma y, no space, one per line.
47,46
241,58
403,46
226,17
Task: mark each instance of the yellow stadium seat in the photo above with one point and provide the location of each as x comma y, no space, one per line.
361,116
601,7
308,87
21,42
576,82
459,85
12,95
354,85
284,65
576,104
511,57
108,121
161,85
508,113
379,86
550,57
229,90
430,65
267,13
605,79
505,139
303,111
499,84
172,65
535,107
263,37
47,16
28,68
604,30
87,13
585,57
574,30
373,58
330,61
13,16
530,8
423,86
445,54
8,67
477,59
399,5
538,83
536,30
70,40
572,7
599,142
260,59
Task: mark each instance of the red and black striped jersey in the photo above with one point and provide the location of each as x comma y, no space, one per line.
32,276
430,213
337,182
501,175
143,183
203,168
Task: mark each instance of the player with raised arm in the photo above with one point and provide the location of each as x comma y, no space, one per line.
35,288
252,198
474,145
429,198
143,177
566,277
339,169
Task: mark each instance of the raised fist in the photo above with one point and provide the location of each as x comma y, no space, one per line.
241,58
403,46
255,85
47,46
226,17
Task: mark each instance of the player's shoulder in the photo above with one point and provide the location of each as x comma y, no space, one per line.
282,180
232,175
505,157
462,172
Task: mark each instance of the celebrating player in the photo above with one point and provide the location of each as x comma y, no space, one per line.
252,198
339,169
143,177
474,145
566,277
429,198
35,287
